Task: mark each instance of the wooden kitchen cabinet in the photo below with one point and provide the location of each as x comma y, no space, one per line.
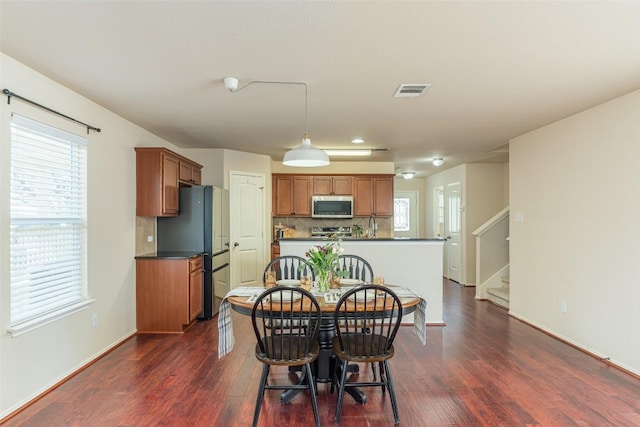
196,298
190,173
291,195
168,294
373,195
159,173
332,185
275,250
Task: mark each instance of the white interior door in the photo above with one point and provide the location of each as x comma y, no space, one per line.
405,214
453,228
247,206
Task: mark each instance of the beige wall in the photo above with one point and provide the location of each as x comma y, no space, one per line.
34,361
484,198
212,161
577,183
482,188
338,167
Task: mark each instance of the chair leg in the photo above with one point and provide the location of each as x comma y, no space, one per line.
312,389
263,382
392,393
373,369
382,377
341,386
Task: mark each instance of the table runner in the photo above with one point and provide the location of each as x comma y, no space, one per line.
226,339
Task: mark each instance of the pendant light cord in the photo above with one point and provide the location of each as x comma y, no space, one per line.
283,83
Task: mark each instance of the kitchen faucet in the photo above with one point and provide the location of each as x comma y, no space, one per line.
373,227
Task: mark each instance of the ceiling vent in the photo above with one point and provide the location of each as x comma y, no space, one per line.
411,90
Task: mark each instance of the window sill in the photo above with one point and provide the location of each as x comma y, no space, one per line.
29,325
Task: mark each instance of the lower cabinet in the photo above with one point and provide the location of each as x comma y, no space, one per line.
168,294
195,287
275,250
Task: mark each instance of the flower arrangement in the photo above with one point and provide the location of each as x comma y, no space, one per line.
324,261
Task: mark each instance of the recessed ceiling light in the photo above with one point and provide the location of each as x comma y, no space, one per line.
362,152
357,141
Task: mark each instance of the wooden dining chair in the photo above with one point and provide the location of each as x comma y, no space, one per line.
289,345
358,267
288,267
380,309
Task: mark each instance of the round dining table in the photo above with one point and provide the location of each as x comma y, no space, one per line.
325,364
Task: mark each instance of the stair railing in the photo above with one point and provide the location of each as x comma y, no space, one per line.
492,252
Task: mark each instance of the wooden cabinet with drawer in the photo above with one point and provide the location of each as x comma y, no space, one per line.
168,293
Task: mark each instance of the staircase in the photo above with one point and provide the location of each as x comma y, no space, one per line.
500,295
492,259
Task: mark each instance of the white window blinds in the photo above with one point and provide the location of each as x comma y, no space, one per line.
47,220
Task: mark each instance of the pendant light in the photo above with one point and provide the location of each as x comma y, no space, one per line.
305,155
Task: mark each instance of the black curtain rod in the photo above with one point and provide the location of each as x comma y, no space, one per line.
11,94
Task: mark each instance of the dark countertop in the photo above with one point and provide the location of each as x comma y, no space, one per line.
353,239
168,255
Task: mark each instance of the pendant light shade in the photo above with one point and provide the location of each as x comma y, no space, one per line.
305,156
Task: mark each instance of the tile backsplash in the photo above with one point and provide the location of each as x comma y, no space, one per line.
303,225
145,226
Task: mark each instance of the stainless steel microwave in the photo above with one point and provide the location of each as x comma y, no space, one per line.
332,207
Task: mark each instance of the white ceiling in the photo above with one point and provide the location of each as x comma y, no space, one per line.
497,69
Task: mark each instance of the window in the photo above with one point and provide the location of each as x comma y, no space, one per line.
401,209
47,223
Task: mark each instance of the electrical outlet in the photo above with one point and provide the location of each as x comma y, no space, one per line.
94,320
563,306
149,239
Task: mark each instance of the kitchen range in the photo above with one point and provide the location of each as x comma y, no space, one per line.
324,232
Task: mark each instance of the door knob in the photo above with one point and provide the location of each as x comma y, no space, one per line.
235,244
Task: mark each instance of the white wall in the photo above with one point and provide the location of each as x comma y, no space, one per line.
577,182
31,363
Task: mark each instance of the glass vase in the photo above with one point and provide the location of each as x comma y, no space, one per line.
324,281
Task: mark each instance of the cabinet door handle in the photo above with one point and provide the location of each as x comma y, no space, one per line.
236,244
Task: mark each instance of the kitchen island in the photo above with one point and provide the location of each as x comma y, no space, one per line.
414,263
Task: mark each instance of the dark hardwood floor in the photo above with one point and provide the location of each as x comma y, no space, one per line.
482,369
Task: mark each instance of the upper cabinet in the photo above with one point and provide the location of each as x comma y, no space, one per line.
291,195
373,195
190,173
159,173
332,185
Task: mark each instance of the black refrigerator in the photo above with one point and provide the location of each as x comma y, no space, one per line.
201,227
